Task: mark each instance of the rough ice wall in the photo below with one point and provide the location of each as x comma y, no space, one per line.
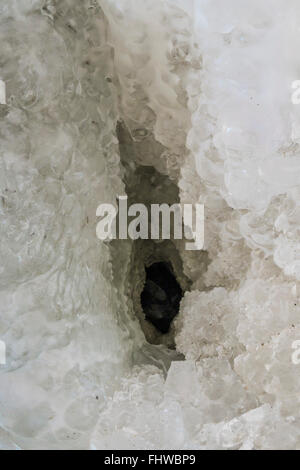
203,87
66,343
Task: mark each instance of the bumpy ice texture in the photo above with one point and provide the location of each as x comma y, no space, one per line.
202,90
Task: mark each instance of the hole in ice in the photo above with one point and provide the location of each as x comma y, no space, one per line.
161,296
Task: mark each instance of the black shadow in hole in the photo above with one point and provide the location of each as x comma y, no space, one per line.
161,296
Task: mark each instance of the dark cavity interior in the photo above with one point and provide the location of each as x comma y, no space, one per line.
161,296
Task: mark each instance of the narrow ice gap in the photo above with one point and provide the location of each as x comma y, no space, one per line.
164,101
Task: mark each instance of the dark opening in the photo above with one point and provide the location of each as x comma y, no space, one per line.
161,296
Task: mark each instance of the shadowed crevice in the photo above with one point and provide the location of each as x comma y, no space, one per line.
161,296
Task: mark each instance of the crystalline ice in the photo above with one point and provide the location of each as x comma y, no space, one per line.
166,101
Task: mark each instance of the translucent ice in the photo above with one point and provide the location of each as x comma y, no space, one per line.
165,100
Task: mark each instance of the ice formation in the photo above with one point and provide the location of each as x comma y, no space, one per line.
163,100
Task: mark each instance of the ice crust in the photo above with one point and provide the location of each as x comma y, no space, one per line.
203,89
